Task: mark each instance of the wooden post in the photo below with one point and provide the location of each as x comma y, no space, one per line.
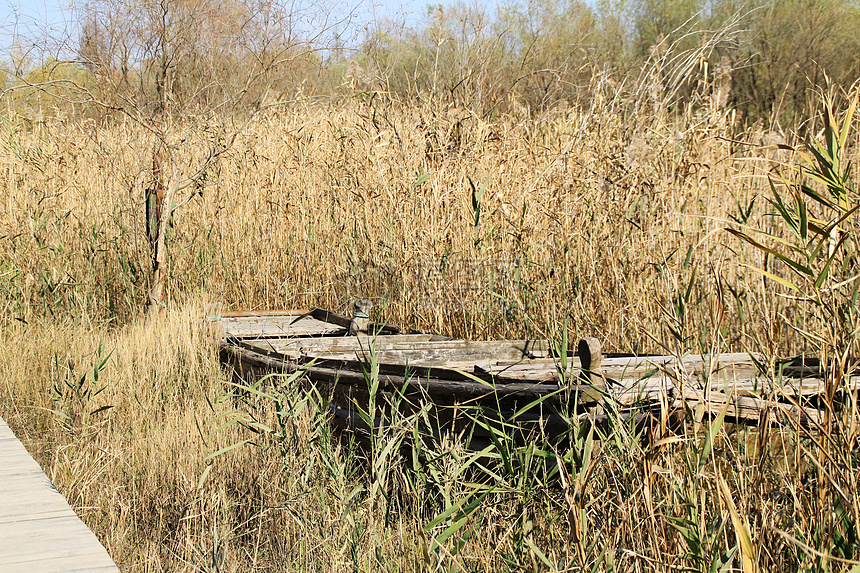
590,356
157,293
360,317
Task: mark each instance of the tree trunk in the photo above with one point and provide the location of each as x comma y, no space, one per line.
157,293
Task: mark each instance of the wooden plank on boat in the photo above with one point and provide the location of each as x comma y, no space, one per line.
726,367
398,356
757,386
278,326
294,346
255,313
816,386
38,529
450,370
510,349
360,342
627,390
749,408
429,355
746,407
243,358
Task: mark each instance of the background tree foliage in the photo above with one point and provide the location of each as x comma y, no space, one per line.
543,53
181,57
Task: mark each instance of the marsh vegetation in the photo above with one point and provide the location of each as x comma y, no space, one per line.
482,176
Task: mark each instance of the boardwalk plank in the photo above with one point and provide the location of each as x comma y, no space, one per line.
38,529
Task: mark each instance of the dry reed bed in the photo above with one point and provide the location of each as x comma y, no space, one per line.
606,215
587,218
132,472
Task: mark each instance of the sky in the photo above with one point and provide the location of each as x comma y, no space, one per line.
28,26
34,18
36,21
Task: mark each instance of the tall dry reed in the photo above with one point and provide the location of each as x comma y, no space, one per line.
448,221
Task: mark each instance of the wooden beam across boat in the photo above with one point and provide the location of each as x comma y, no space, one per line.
736,366
278,326
749,408
300,323
415,350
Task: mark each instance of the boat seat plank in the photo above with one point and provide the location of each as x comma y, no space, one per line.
345,343
724,366
412,342
427,356
277,326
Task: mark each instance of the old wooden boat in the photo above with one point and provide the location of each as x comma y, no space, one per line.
461,385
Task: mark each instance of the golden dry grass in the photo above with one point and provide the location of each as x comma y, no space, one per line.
591,213
598,219
133,471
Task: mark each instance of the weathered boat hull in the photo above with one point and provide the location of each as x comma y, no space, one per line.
478,387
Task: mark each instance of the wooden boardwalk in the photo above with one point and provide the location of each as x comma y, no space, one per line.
39,532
